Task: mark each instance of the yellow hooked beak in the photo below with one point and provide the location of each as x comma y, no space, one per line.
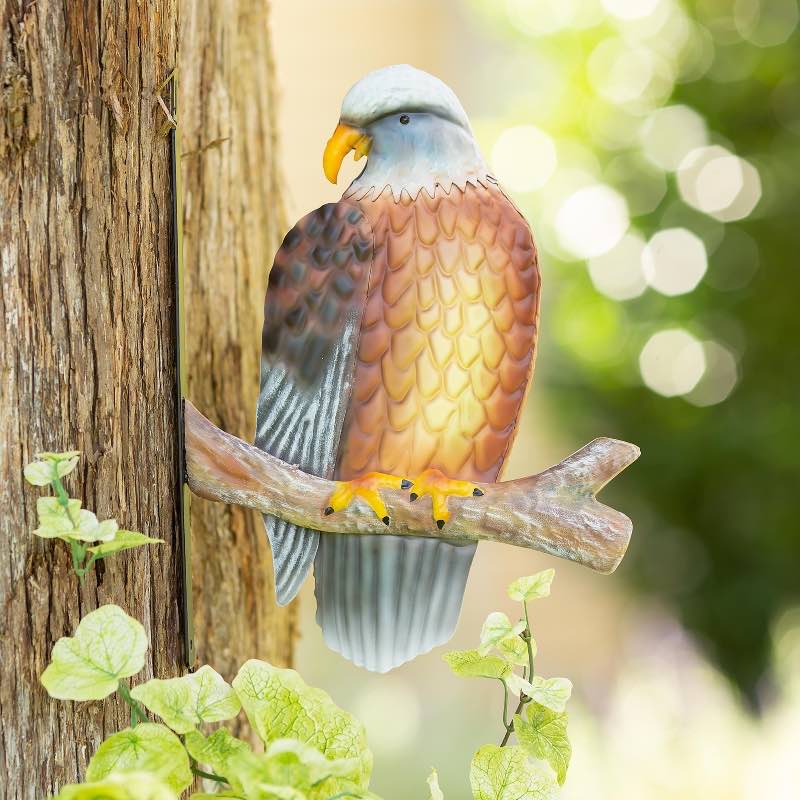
344,139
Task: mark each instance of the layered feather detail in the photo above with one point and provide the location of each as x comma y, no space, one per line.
382,600
312,315
300,427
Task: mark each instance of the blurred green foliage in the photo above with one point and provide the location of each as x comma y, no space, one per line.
714,497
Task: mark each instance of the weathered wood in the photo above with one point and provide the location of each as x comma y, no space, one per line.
86,351
87,346
554,511
232,225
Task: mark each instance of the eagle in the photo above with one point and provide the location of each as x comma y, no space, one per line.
398,346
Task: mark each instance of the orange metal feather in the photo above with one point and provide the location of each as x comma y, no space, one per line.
448,336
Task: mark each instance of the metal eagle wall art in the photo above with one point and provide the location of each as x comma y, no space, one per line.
398,348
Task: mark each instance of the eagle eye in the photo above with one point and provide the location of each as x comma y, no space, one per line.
404,119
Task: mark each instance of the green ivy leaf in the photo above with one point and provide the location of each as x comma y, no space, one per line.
543,734
123,540
40,473
44,472
532,587
288,768
319,766
71,522
216,751
550,692
265,778
120,786
149,747
518,685
280,705
496,628
55,521
108,645
506,773
471,664
433,785
514,650
88,529
183,703
67,455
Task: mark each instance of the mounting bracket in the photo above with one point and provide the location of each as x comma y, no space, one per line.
182,493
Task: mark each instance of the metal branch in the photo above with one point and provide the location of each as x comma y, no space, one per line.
554,511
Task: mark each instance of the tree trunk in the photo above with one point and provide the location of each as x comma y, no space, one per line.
232,226
87,350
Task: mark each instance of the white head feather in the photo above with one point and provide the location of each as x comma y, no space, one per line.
400,87
447,156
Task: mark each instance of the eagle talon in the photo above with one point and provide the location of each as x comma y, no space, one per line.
406,484
440,487
365,487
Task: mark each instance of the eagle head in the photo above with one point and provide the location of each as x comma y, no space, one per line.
412,129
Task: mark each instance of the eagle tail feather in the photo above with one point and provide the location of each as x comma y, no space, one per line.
382,600
293,550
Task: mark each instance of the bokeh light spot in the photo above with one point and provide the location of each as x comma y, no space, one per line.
618,273
541,17
524,158
697,54
719,183
631,9
720,376
619,72
670,133
591,221
630,74
766,23
672,362
674,261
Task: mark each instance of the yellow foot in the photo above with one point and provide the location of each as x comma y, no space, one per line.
366,487
440,487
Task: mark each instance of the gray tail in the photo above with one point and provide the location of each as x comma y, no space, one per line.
293,550
382,600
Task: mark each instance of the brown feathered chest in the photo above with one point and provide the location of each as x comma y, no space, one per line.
447,338
400,335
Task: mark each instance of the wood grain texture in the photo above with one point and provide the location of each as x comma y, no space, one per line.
555,511
232,225
86,351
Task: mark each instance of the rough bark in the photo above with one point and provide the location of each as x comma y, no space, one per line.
555,511
87,353
232,226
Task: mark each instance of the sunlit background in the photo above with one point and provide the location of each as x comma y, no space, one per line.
655,147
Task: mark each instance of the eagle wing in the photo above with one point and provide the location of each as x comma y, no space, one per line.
312,317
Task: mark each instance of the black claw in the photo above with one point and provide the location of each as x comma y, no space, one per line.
440,523
476,492
328,511
406,484
385,520
413,496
